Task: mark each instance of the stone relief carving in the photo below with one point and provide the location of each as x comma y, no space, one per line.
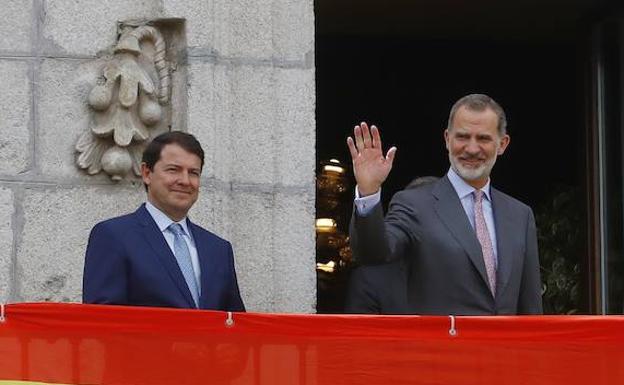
127,104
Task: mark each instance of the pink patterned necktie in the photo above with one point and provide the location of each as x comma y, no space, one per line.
484,239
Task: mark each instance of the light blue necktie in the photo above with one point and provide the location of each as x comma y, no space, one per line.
183,256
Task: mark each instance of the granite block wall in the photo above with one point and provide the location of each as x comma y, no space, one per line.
245,89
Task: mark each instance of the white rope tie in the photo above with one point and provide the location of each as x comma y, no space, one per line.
229,321
452,330
2,319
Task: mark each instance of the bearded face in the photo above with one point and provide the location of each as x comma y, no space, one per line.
473,143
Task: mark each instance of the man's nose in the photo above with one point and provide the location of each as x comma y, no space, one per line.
184,178
473,147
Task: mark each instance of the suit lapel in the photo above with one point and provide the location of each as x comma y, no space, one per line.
159,245
504,230
452,214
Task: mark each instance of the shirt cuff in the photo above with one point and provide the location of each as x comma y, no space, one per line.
364,205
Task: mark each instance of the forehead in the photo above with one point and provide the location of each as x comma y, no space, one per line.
174,154
485,121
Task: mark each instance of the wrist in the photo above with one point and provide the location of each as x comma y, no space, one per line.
367,190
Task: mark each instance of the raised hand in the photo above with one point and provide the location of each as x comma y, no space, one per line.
370,166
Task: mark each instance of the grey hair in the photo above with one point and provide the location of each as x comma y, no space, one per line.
480,102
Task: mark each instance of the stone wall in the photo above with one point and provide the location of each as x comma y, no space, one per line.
250,97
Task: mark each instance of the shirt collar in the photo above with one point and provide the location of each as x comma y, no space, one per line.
462,188
162,220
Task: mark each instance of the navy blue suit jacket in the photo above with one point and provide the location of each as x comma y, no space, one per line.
128,262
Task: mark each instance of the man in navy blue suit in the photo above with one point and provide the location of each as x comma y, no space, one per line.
156,256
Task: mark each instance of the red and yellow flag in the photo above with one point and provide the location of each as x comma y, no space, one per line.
90,344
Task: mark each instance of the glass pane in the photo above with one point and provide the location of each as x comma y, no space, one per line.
612,174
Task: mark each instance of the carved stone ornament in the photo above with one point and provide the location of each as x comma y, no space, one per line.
127,104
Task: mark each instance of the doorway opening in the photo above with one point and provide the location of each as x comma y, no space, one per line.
403,65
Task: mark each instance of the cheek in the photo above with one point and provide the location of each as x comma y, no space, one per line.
169,181
455,148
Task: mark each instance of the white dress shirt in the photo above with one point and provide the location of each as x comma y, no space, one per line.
163,222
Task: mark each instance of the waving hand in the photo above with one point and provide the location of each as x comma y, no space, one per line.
370,166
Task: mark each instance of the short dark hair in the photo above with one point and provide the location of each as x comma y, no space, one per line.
188,142
480,102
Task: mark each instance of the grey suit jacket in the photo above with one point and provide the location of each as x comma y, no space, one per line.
446,273
378,289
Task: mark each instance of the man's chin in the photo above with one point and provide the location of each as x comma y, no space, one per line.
183,202
471,174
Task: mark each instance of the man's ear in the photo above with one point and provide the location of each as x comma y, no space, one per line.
504,142
446,138
146,174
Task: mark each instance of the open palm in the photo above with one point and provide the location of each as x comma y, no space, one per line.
370,166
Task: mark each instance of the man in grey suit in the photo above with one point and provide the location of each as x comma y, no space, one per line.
470,249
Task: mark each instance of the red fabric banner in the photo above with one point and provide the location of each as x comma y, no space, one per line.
90,344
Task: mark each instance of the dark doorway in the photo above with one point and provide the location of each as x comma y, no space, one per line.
402,66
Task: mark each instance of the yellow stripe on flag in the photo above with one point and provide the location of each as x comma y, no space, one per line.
28,383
